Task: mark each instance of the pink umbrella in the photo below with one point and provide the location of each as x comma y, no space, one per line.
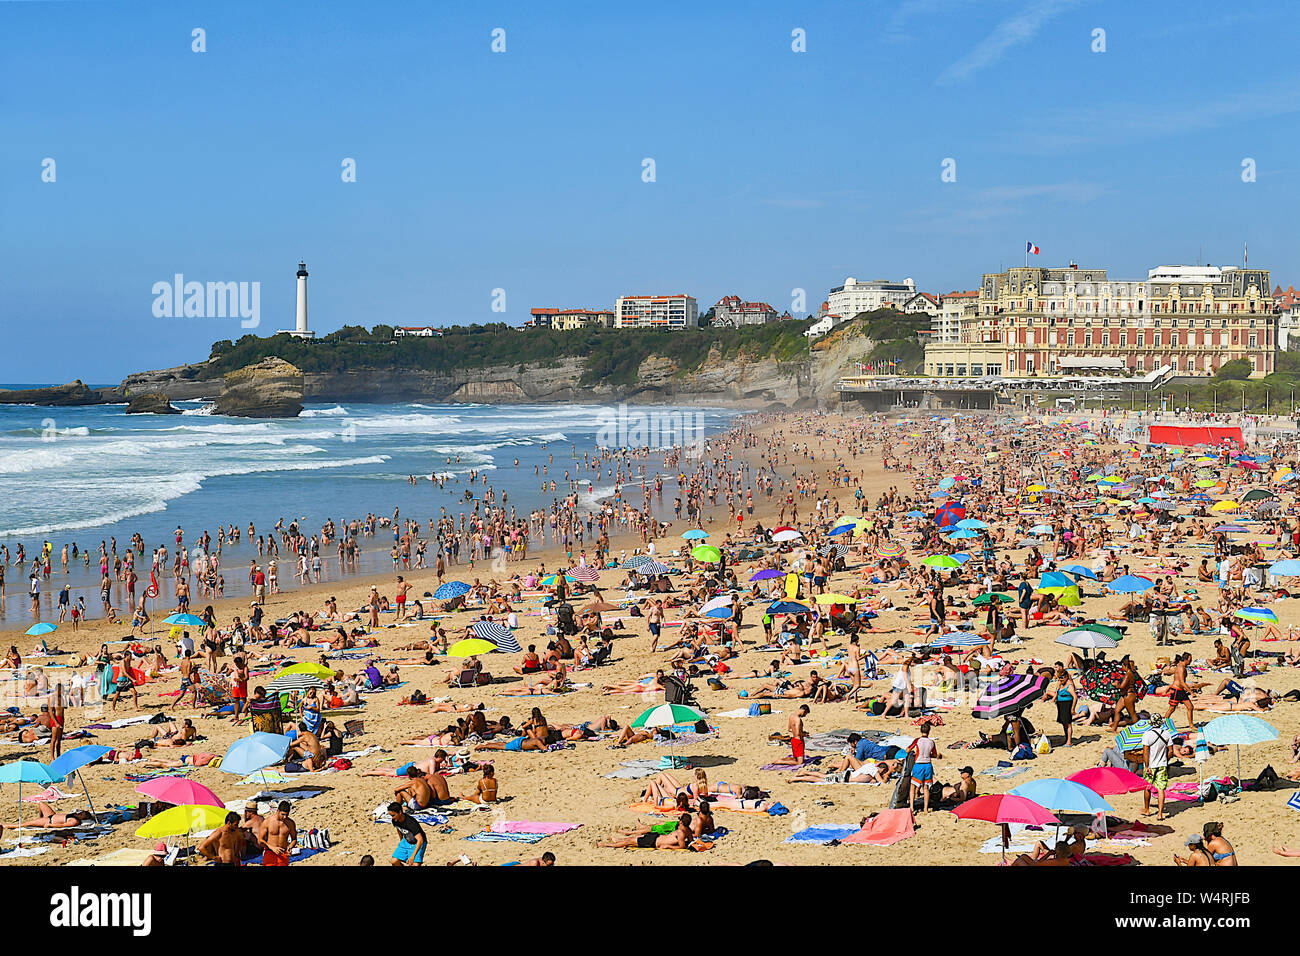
178,791
584,573
1109,780
530,580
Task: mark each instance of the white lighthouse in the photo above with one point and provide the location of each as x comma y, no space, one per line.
300,330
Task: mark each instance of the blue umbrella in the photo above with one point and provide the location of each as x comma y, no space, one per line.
635,561
950,513
1130,584
768,573
916,514
255,752
718,612
1241,730
1055,579
964,533
1080,571
71,761
26,771
787,607
844,529
36,630
958,639
695,533
1057,794
450,590
188,620
653,567
1287,568
972,523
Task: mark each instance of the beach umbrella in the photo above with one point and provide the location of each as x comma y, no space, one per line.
1058,794
1055,579
185,620
722,600
653,567
27,771
1205,483
916,514
294,682
1109,781
941,561
788,534
768,573
665,715
1240,730
694,533
185,820
1225,505
635,561
1259,615
719,613
831,597
1009,695
309,668
1111,632
1231,529
179,790
1257,494
1102,681
585,573
450,590
498,634
787,607
959,639
997,596
844,529
1086,640
71,761
949,514
1004,808
1041,529
551,580
706,553
1130,584
1287,568
890,551
1130,737
255,752
1080,571
36,630
833,551
964,533
471,646
972,523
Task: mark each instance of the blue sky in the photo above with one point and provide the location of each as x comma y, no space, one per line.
522,170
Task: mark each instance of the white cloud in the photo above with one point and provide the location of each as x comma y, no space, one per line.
1015,30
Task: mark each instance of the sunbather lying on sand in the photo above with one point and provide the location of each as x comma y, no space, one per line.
676,839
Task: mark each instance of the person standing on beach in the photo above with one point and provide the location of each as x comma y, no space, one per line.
278,833
926,751
400,598
655,619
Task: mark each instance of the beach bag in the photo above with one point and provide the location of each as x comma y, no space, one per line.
1043,746
342,764
1023,752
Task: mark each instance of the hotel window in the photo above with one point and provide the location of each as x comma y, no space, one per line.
1253,369
1123,340
1105,338
1087,339
1069,338
1253,341
1141,363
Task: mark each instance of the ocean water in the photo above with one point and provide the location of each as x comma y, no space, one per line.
85,474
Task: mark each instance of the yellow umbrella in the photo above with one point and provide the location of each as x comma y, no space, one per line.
184,820
469,646
1206,483
1226,506
1069,597
836,599
1036,488
308,667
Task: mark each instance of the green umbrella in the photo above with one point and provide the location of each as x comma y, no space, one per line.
998,596
1110,632
941,561
706,553
665,715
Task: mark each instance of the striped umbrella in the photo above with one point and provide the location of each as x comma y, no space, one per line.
1259,615
286,683
452,589
958,639
833,550
635,561
890,551
1130,738
584,573
498,634
653,567
1010,695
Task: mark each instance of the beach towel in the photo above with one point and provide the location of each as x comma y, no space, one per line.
888,828
636,770
807,761
431,817
126,856
1294,801
823,834
487,836
532,826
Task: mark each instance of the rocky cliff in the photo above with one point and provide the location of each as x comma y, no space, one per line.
151,403
269,389
74,393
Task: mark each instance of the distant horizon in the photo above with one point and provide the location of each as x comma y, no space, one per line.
515,158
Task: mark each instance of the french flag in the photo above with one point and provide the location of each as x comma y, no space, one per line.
1031,249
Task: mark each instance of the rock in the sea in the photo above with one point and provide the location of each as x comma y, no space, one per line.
74,393
273,388
151,403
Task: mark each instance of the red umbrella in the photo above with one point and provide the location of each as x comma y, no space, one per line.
1005,808
949,514
584,573
1109,780
784,527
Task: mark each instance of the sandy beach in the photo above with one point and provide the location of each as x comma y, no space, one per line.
572,786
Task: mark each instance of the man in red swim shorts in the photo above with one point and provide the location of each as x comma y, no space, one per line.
278,834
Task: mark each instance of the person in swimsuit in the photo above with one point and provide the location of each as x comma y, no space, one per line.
676,838
1219,848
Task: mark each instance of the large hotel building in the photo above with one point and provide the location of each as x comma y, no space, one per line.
656,312
1032,321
